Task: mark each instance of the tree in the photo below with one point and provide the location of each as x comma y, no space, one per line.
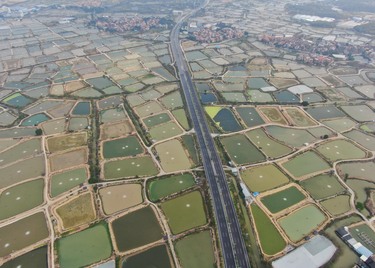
359,206
38,132
305,103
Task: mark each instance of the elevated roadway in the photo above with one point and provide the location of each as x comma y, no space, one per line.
230,235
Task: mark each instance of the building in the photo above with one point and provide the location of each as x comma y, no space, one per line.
246,193
364,253
315,253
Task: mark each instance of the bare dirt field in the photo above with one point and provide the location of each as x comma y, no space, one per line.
68,159
109,131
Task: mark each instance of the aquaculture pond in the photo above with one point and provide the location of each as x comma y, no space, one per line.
21,197
305,163
302,222
250,116
35,119
325,112
290,136
78,123
359,170
17,100
165,131
35,258
185,212
208,97
286,97
85,247
196,250
136,229
155,120
156,257
268,146
100,82
312,97
24,149
161,187
172,156
64,181
17,132
241,150
22,170
257,83
337,205
269,236
366,140
340,124
340,150
130,167
82,108
119,197
360,113
203,87
283,199
224,118
323,186
129,146
23,233
263,178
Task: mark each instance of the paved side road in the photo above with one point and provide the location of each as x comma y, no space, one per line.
230,235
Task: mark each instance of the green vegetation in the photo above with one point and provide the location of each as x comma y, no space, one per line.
77,211
360,189
189,143
269,237
185,212
65,142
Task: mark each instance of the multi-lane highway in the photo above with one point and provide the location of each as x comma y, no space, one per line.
230,235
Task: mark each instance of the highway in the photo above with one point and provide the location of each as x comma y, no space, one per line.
232,244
